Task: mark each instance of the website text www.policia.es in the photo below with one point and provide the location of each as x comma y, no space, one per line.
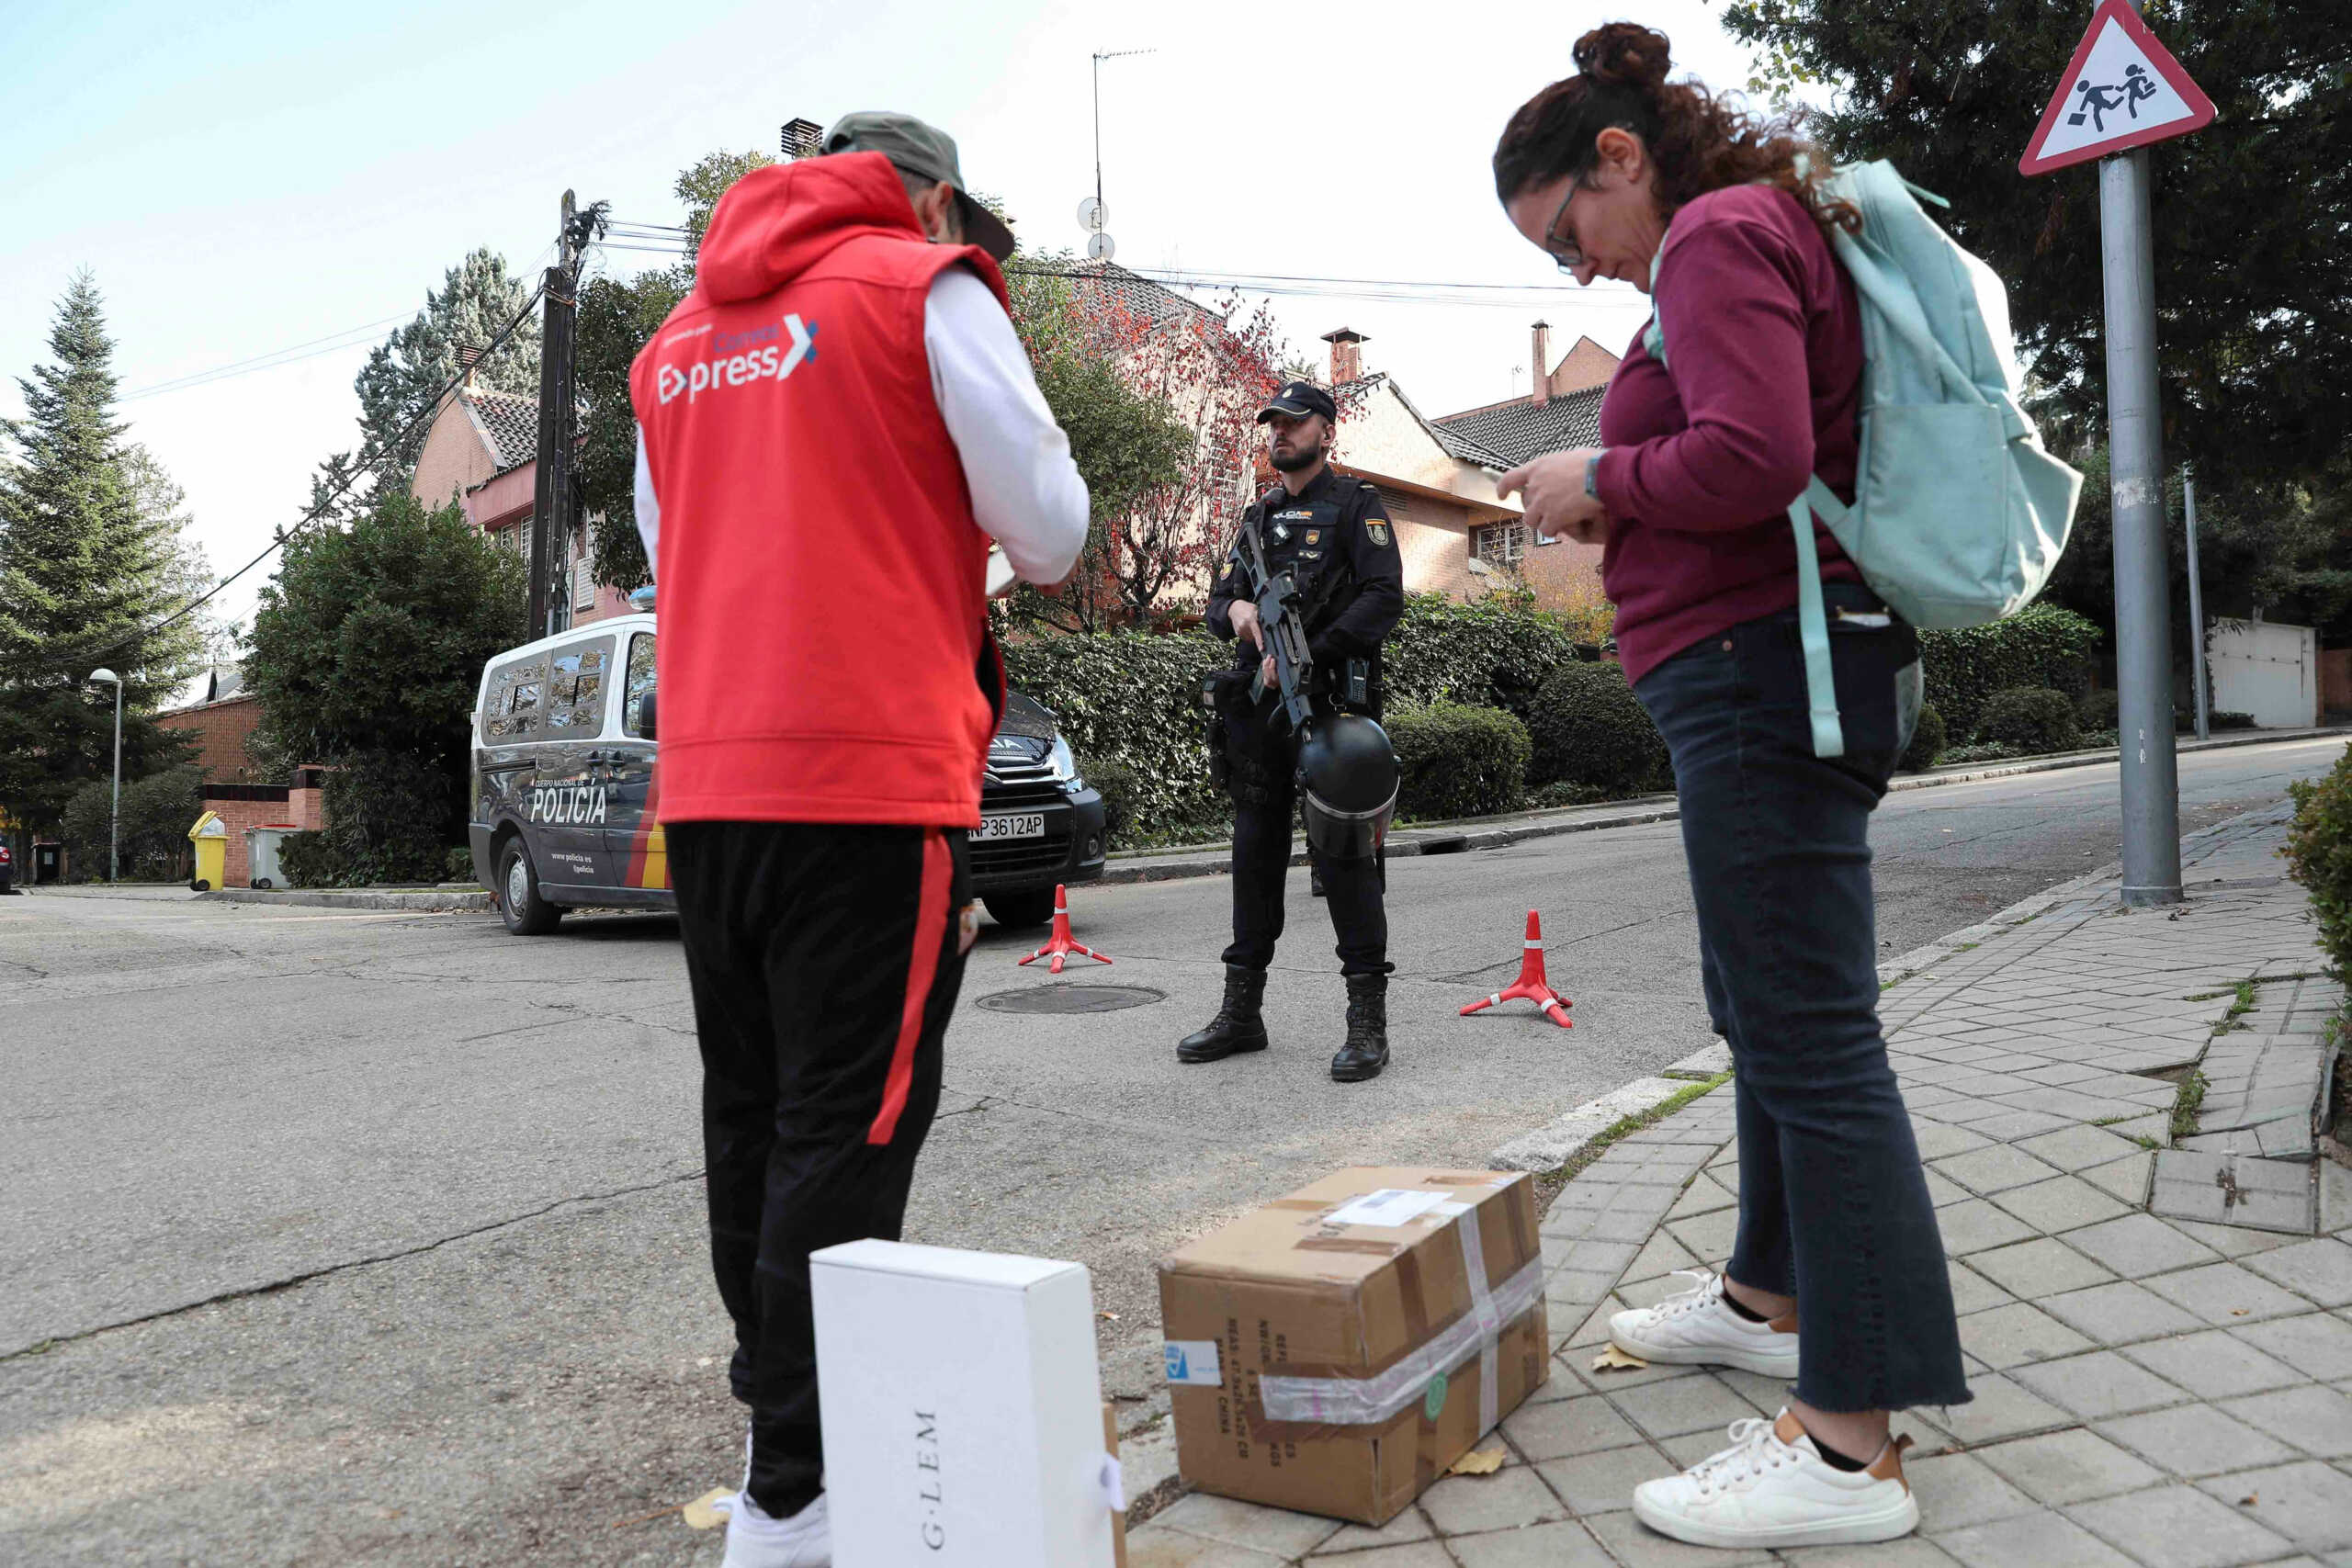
736,359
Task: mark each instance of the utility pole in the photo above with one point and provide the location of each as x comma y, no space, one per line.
552,503
2196,606
1094,218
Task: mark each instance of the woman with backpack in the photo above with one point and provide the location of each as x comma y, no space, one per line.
1719,217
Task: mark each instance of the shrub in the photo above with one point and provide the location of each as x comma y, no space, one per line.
2030,719
1126,699
460,865
308,860
1458,761
1492,654
156,814
385,811
1926,741
1115,781
1560,794
2097,711
2039,646
2224,718
1588,728
1980,751
2319,855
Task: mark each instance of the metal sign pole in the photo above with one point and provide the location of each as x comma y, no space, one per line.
2143,597
2196,606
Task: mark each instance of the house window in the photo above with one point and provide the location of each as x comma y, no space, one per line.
1499,544
583,585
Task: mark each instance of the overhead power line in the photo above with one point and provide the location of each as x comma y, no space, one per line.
90,652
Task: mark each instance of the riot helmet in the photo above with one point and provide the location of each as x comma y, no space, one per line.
1348,776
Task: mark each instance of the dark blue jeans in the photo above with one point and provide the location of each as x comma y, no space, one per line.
1833,1204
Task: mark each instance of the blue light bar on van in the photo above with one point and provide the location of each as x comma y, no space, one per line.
642,599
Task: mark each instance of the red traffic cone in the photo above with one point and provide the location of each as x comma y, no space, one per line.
1530,985
1060,944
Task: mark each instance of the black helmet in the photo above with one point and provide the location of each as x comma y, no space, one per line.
1349,772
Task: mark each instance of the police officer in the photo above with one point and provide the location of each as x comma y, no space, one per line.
1332,534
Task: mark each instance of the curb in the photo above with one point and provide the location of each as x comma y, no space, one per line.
431,901
1447,838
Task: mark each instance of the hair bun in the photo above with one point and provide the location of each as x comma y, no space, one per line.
1626,53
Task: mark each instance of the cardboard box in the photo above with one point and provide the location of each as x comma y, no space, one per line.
963,1413
1336,1350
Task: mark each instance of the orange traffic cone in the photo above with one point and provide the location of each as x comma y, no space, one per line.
1530,985
1060,944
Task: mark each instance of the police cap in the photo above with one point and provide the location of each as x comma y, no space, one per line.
1298,400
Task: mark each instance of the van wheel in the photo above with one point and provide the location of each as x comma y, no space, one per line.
1027,907
519,904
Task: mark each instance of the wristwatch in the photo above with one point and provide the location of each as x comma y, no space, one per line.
1592,476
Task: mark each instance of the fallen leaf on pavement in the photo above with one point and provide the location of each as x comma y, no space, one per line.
1612,1359
2249,1500
703,1513
1478,1461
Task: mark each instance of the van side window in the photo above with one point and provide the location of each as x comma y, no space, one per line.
511,711
640,681
576,690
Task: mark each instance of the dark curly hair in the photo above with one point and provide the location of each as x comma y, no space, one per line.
1699,142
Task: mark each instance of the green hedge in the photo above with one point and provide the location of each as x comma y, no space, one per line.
2039,646
1590,729
2031,718
1928,741
1458,761
1125,699
2319,855
1486,655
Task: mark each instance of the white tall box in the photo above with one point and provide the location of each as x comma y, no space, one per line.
963,1410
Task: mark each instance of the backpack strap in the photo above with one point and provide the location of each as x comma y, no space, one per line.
1813,631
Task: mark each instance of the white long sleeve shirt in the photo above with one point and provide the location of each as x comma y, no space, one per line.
1027,493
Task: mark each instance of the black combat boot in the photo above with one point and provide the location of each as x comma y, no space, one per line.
1366,1051
1237,1026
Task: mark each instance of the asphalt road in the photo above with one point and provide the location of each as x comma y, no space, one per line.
367,1238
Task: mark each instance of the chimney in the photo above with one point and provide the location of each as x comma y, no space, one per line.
469,360
802,138
1540,383
1346,355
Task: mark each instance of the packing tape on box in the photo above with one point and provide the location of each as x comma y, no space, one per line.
1351,1401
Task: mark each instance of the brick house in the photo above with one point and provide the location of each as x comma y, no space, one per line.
1559,413
300,804
216,709
481,451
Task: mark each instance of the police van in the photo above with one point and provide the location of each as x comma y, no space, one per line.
565,795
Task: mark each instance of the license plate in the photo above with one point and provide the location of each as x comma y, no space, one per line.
1012,825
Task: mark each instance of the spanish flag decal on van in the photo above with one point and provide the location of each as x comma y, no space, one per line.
649,849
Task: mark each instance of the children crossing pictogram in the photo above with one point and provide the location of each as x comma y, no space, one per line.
2122,90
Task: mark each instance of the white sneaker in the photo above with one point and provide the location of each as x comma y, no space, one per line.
1772,1488
755,1540
1698,1328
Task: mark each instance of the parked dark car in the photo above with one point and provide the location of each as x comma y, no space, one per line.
564,800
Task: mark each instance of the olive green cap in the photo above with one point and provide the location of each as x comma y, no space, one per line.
927,153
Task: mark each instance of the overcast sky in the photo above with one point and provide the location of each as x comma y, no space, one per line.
274,173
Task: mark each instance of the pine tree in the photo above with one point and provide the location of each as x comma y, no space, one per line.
405,373
84,574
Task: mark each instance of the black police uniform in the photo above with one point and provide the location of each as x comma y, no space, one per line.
1335,536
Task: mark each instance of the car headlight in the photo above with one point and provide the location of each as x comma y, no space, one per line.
1064,762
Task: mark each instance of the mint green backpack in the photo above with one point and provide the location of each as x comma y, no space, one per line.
1959,515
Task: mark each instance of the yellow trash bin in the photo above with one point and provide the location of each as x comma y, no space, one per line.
210,837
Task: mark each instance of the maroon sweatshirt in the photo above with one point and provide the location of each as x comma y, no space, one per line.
1765,342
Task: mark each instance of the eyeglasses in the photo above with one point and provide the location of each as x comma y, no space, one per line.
1566,252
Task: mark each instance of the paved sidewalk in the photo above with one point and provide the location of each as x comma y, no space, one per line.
2158,1391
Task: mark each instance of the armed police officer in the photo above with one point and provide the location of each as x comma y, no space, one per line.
1325,544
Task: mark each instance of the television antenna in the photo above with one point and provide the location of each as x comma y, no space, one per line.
1092,214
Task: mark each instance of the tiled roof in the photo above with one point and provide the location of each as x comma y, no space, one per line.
512,420
1519,430
1140,295
1461,448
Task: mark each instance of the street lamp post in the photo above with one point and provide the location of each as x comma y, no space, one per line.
114,812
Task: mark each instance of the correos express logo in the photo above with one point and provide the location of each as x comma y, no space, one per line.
735,359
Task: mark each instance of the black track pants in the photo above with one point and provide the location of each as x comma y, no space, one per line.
824,960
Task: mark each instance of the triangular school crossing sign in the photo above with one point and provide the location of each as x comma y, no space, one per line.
2122,90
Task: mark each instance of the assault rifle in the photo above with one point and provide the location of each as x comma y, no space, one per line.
1280,628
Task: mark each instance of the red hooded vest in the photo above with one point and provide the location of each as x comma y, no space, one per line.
824,654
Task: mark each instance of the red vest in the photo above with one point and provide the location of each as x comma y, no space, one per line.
824,654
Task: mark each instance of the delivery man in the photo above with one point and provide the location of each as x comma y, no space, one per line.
831,427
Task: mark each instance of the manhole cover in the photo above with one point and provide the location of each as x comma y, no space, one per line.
1072,999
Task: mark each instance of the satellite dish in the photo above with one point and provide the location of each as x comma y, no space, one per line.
1099,247
1093,214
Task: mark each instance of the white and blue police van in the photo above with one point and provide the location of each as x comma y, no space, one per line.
565,795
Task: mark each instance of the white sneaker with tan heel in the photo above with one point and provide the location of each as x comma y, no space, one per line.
1698,1328
1771,1488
